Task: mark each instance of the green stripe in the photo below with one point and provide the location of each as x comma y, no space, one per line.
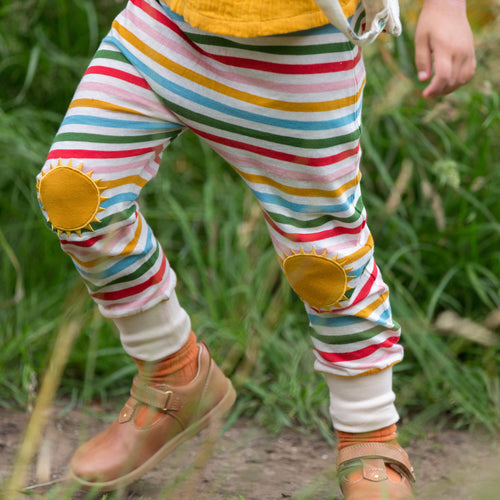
256,134
111,139
123,215
145,267
351,338
319,221
285,50
111,54
360,20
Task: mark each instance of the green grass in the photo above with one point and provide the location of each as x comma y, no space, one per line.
438,244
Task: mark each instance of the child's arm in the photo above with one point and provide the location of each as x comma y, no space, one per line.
444,46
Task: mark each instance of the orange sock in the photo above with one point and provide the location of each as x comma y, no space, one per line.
177,369
385,435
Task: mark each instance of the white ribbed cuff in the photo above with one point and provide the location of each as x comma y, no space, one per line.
363,403
155,333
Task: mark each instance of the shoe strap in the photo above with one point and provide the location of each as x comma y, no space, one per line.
388,453
160,397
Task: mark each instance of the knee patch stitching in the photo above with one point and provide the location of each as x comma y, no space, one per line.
319,280
70,197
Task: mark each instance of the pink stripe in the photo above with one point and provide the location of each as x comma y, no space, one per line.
123,168
284,173
236,77
239,62
333,357
119,93
332,249
379,359
278,155
119,74
150,171
110,243
132,306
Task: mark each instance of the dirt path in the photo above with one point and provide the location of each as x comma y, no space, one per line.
248,463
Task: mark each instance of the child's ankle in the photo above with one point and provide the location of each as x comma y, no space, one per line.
178,368
385,435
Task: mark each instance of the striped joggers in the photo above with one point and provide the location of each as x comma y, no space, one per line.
283,110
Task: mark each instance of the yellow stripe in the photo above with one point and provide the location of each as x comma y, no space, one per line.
96,103
353,257
131,179
367,311
321,193
126,251
133,243
368,372
229,91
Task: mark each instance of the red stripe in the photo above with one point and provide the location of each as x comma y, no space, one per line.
90,153
276,155
86,243
365,291
134,290
289,69
239,62
334,357
119,74
321,235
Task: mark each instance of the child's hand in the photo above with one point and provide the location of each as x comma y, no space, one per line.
444,46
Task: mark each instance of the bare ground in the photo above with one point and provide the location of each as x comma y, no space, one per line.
249,463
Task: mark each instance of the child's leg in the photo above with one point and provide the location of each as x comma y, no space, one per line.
290,127
285,113
109,145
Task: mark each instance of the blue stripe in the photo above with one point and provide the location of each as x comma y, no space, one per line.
339,321
200,100
109,122
119,198
171,14
385,319
274,199
126,262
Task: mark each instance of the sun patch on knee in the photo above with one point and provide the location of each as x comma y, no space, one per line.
70,197
319,280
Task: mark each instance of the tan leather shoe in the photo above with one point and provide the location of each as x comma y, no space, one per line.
124,452
362,473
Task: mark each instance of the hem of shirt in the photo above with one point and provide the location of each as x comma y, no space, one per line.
246,28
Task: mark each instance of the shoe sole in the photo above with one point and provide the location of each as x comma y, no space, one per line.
215,414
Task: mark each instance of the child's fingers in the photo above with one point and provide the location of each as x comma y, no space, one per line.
467,68
443,80
423,58
450,73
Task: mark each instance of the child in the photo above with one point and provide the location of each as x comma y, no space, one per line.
275,88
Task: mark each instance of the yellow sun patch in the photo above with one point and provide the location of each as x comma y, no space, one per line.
71,198
319,280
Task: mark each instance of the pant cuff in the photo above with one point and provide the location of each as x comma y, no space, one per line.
363,403
156,333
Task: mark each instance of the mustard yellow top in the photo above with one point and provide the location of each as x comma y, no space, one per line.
248,18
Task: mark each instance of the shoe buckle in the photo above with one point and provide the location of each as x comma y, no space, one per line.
152,396
167,395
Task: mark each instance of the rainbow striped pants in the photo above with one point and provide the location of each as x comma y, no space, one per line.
283,110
